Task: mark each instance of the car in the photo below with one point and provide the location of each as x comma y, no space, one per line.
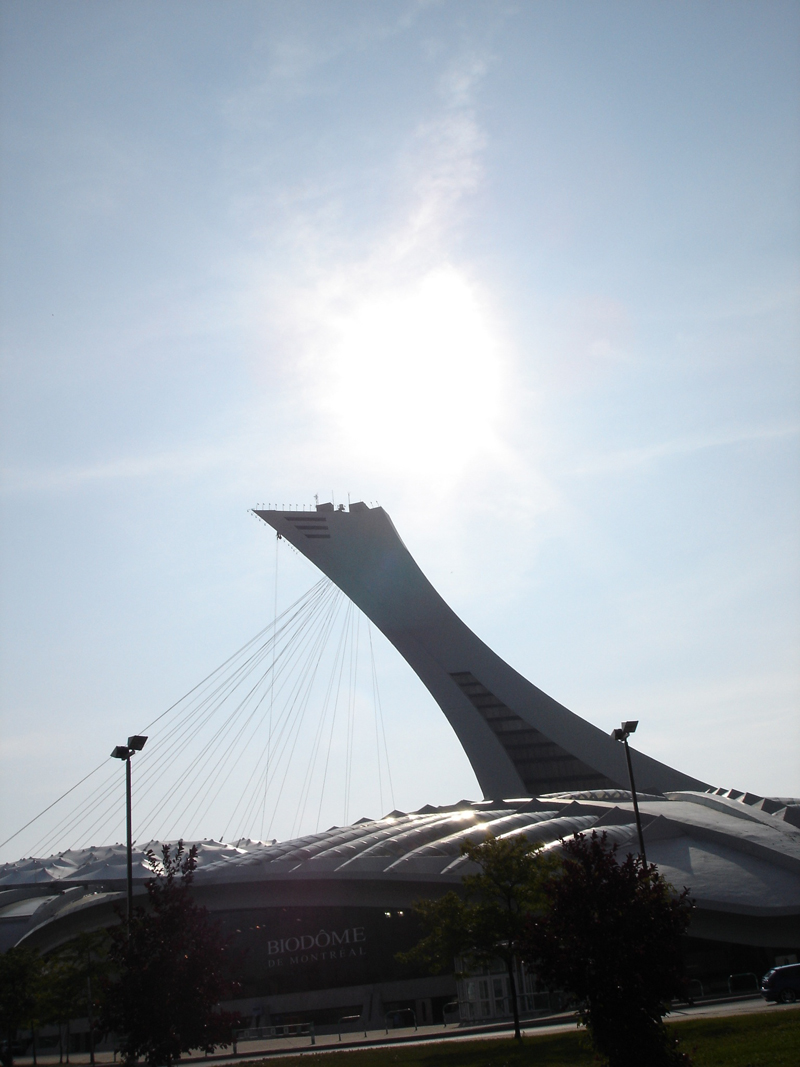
782,984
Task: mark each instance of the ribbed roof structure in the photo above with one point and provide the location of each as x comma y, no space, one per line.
739,855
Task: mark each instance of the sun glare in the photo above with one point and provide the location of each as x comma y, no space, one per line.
416,376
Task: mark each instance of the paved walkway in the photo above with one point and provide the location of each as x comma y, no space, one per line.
251,1051
427,1034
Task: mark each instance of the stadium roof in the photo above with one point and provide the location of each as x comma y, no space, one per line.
740,856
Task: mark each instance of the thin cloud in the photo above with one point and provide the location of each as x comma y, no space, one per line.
171,464
631,458
399,330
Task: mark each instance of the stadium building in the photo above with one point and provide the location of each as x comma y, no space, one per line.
319,920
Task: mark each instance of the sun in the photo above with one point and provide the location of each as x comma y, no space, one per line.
416,375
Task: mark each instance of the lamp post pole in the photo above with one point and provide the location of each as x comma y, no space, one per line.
135,744
129,827
635,805
622,735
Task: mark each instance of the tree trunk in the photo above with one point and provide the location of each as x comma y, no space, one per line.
91,1020
512,986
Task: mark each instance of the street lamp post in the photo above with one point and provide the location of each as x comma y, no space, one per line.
135,744
622,735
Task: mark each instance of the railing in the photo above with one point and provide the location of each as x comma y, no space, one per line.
351,1019
264,1033
393,1015
540,1003
452,1009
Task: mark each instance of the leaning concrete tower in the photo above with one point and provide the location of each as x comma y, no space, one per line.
519,740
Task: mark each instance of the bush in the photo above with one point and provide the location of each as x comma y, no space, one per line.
611,936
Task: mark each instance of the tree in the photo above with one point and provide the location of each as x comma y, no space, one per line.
73,981
489,921
611,936
20,974
60,998
171,969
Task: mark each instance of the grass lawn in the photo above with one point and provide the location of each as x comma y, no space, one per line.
763,1039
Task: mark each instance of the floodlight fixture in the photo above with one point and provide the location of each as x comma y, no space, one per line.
136,743
622,734
624,731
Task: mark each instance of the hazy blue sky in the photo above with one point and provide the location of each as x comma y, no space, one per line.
524,272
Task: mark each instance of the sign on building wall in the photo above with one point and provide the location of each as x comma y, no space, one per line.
284,950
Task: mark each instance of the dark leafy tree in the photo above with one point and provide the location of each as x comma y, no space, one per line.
73,983
20,979
171,967
611,936
488,922
60,997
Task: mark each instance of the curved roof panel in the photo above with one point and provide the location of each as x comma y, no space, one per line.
733,854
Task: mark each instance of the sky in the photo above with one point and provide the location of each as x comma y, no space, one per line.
524,273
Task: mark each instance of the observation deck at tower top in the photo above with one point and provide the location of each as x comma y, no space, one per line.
519,740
